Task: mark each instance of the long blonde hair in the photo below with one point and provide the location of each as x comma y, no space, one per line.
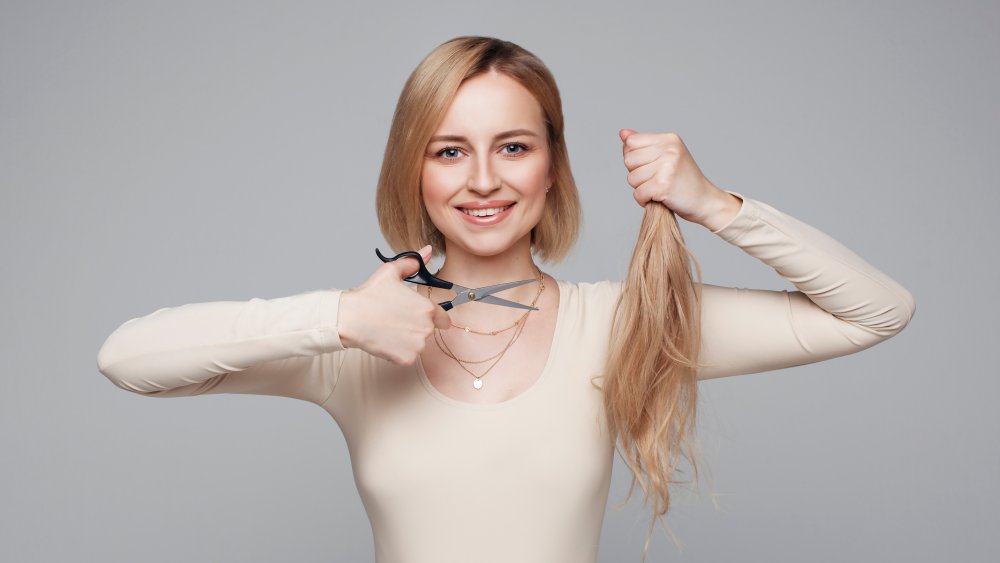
651,377
650,382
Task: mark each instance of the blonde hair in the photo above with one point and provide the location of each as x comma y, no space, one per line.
421,107
650,379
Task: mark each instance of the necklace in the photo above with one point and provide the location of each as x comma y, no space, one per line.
477,381
541,288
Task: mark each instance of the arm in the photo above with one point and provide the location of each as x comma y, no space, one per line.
843,304
261,346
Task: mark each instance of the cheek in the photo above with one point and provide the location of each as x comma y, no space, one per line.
531,177
436,184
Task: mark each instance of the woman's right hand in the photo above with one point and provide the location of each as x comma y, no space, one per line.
387,319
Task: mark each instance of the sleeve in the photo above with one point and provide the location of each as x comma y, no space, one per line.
284,346
843,304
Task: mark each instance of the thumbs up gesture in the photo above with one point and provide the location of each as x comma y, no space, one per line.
662,170
386,318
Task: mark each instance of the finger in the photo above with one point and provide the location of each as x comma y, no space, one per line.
441,318
407,266
638,157
624,133
645,172
639,140
646,193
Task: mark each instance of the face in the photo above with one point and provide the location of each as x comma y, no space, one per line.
487,166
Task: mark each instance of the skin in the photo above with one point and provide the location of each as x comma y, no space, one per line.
661,169
484,166
389,319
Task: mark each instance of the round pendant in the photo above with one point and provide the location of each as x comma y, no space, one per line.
477,383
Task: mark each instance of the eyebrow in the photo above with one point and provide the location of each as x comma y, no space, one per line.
511,133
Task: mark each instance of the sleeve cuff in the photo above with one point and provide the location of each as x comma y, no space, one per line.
741,223
329,307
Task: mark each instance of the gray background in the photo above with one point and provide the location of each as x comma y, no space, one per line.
155,154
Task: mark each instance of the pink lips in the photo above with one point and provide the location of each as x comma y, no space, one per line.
486,221
485,204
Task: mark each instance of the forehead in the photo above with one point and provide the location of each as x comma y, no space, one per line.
492,102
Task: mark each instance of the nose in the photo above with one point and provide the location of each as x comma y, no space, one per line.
483,179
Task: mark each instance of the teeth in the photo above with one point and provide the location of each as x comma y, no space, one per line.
484,212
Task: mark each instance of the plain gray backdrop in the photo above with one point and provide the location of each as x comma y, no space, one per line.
160,153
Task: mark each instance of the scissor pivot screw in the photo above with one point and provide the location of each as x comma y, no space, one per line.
472,295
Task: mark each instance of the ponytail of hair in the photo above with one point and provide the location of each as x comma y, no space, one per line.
650,378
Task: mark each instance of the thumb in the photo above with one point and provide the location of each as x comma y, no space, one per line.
625,133
408,266
441,318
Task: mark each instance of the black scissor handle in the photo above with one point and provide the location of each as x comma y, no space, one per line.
422,276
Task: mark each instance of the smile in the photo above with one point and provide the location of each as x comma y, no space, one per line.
485,212
485,217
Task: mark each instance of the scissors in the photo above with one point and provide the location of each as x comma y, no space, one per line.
465,294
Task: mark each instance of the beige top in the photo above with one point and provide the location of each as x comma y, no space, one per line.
525,480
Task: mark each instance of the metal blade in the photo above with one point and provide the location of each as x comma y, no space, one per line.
498,301
477,294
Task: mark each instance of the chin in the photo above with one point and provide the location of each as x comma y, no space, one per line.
488,245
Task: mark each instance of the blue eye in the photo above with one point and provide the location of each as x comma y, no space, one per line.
449,151
515,145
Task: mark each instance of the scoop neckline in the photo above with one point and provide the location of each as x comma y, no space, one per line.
556,338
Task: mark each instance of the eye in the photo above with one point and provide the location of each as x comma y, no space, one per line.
520,148
449,153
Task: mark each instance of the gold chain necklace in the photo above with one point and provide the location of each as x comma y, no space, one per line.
477,382
541,288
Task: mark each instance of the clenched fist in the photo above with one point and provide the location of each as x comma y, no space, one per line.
387,319
662,170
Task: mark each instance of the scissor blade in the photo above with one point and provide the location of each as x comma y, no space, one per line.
498,301
463,293
491,289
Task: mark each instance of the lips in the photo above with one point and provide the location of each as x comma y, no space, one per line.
499,213
485,204
485,211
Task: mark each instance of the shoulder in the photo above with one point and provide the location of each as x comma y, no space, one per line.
589,298
592,290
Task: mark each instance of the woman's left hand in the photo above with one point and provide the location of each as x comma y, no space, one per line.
661,169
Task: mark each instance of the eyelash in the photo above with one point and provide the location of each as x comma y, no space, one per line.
524,148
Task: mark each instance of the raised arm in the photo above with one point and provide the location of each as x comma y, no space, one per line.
843,304
262,346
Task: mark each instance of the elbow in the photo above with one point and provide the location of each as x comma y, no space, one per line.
900,315
122,380
112,366
106,362
108,367
909,308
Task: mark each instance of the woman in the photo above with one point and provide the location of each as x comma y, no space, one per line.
496,442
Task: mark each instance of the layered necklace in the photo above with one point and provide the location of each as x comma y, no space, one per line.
477,380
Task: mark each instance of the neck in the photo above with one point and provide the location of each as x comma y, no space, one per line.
473,270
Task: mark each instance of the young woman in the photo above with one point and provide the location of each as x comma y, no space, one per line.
487,433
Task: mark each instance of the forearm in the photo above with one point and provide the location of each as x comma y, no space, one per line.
723,209
191,347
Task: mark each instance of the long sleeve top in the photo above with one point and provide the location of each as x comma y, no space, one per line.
527,479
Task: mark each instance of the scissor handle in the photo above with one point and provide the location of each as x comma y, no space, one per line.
422,276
